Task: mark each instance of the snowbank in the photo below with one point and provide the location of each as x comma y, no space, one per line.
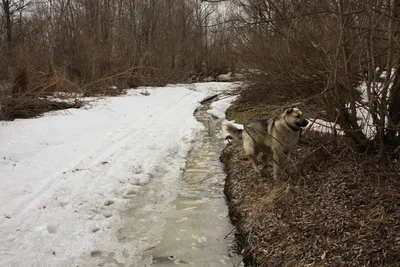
67,177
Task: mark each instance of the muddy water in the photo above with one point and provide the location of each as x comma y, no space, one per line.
197,231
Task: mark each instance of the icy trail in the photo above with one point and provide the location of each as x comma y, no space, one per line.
67,179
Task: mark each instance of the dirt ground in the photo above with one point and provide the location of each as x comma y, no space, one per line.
333,207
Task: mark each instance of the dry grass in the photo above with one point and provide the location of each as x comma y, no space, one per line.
28,95
29,107
342,209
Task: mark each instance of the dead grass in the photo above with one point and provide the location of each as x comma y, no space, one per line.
336,208
30,94
29,107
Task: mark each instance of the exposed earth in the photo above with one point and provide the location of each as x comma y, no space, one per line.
333,207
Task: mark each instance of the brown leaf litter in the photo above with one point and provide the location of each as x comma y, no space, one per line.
333,207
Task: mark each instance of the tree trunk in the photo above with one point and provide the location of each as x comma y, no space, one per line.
392,134
8,14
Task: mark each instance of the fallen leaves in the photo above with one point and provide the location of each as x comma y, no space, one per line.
346,212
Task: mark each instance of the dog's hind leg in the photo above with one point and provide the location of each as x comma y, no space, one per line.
254,163
250,151
278,161
265,159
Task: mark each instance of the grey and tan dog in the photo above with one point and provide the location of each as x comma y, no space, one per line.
278,135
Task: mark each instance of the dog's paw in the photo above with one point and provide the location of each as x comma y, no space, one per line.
265,172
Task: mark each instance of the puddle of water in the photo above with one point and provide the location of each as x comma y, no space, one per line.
197,228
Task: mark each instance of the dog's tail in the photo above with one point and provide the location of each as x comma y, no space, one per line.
234,132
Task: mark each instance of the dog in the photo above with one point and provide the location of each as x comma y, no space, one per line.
278,135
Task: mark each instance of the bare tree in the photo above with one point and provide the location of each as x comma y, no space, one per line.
94,44
10,8
334,50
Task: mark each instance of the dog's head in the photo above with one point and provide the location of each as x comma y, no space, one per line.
294,118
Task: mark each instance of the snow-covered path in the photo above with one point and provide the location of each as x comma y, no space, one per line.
67,178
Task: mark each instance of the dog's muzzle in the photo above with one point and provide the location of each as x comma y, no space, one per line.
303,123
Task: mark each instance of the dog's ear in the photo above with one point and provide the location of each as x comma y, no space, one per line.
289,110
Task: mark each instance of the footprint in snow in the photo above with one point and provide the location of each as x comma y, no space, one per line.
141,179
107,214
109,202
96,253
52,228
134,189
95,229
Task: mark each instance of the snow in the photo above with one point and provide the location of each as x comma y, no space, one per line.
218,108
319,125
67,177
228,77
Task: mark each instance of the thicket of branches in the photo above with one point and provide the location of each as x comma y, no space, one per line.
343,52
92,44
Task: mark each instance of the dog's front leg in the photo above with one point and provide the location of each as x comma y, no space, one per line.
277,162
281,159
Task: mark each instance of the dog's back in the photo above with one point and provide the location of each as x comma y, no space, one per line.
258,128
257,133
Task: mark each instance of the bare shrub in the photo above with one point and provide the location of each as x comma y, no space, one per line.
97,47
97,41
333,51
27,96
27,107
